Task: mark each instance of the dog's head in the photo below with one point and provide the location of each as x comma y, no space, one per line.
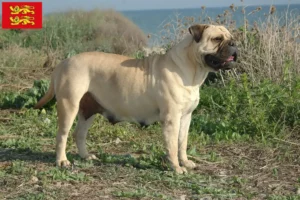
215,46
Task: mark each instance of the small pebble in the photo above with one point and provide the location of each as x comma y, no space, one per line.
34,179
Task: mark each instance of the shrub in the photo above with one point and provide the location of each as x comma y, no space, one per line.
25,99
245,109
78,31
268,48
26,55
122,34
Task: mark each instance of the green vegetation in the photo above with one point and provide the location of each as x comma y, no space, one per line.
243,136
78,31
25,99
243,109
32,54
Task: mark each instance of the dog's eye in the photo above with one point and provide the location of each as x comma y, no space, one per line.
218,39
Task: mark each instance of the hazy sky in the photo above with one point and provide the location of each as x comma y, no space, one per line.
62,5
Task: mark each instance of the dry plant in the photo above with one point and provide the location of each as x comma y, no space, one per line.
19,66
122,34
269,48
26,55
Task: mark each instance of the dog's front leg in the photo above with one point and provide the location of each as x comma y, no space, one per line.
171,125
183,140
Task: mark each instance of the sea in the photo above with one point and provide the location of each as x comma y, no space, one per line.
152,22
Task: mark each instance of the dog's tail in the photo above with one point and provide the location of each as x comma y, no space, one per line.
47,97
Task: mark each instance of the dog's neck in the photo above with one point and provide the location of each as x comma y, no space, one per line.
184,54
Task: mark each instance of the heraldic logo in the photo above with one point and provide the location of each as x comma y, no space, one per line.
22,15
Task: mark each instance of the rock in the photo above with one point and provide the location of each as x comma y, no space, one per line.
34,179
117,141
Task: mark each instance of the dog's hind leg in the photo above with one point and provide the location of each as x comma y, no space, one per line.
80,134
66,111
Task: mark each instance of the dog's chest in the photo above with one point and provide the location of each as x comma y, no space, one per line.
190,99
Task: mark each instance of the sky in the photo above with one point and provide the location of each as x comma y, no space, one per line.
63,5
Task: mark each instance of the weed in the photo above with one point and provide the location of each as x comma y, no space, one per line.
31,196
277,197
139,193
240,110
27,99
64,175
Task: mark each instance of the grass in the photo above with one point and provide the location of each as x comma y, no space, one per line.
63,35
77,31
243,137
232,162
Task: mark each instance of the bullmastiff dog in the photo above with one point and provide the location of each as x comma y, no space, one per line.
161,88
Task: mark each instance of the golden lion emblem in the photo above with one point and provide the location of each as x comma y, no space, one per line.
23,20
15,10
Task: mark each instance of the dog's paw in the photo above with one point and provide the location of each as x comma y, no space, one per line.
91,157
180,170
63,163
188,164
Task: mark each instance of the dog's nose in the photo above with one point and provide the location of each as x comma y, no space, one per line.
231,43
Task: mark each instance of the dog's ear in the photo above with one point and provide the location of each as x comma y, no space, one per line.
197,30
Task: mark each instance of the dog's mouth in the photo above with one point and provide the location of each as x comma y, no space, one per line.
218,63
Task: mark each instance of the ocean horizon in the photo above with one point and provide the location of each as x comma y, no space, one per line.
152,22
